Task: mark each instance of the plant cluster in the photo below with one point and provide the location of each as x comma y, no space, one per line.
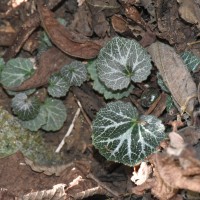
119,132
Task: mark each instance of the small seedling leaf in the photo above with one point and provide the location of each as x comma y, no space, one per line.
24,107
121,61
16,71
75,72
58,86
122,136
56,114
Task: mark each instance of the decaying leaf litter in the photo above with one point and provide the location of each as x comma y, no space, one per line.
167,29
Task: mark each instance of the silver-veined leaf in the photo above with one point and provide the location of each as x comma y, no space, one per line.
26,108
75,72
192,61
58,86
102,89
122,136
16,71
36,123
121,61
56,114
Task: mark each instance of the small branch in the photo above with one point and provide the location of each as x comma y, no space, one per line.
83,112
101,184
69,131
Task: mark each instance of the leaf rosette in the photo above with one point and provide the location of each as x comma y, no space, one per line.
121,135
121,61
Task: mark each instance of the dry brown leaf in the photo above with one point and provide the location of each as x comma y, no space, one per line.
56,193
47,170
108,7
133,14
190,134
119,24
182,174
72,44
175,75
189,11
82,22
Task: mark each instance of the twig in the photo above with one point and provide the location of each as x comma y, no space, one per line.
83,112
69,131
192,43
114,193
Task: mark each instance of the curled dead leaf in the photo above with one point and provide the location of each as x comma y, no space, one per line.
69,42
175,75
56,193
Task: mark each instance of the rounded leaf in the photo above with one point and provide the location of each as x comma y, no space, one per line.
36,123
58,86
16,72
121,61
75,72
102,89
122,136
56,114
24,107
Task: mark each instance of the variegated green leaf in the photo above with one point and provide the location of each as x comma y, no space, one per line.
121,61
58,86
16,71
121,135
36,123
75,72
192,62
56,114
102,89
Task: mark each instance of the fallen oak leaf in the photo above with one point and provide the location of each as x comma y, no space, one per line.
175,75
69,42
50,62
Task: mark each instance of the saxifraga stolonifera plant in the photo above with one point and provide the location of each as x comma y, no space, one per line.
119,132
